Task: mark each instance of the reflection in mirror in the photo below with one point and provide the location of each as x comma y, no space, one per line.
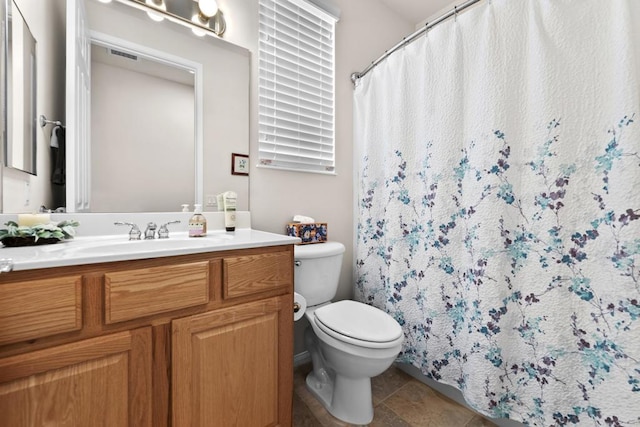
142,125
219,118
20,147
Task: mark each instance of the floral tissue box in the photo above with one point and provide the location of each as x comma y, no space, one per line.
308,232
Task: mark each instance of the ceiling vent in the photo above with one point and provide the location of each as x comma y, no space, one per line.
123,54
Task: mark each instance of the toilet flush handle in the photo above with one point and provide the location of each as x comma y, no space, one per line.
297,263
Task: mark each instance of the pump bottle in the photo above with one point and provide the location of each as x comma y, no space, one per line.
197,223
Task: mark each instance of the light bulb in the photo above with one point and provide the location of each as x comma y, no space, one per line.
208,7
156,16
104,1
197,20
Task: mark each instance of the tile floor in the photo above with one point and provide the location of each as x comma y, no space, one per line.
399,401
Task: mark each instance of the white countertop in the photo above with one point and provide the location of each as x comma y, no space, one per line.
109,248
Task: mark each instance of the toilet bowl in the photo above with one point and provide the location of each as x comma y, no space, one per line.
349,341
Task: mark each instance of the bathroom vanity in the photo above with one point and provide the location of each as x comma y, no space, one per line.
188,336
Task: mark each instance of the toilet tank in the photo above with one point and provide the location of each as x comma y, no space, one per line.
317,271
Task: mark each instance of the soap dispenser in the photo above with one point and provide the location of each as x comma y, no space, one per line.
197,223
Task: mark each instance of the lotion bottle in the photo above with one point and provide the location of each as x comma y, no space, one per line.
229,201
197,223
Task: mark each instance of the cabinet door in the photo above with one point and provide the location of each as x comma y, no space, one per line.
233,367
104,381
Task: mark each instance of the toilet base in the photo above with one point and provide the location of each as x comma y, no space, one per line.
348,399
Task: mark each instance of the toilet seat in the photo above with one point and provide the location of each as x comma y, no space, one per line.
358,324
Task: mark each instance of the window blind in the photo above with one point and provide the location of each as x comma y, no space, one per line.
296,87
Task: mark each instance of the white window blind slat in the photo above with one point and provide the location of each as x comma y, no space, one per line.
296,87
291,137
297,16
291,79
290,122
313,101
313,34
325,125
299,57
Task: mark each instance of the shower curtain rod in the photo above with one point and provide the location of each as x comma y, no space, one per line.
412,37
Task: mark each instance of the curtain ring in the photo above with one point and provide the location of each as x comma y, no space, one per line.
455,13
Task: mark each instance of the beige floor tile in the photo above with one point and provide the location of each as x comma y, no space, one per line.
385,417
420,406
479,421
387,383
302,415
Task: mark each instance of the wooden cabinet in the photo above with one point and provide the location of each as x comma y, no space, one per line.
38,308
103,381
227,366
192,340
135,293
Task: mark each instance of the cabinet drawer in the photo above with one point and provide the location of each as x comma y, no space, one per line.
131,294
39,308
251,274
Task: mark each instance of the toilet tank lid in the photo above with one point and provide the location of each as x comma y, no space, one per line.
318,250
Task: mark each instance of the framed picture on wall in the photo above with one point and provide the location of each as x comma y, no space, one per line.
239,164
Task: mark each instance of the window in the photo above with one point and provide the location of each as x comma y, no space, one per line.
296,87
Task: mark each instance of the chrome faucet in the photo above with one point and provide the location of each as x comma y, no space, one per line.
163,233
134,233
150,232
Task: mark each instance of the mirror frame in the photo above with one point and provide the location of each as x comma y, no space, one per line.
196,68
29,162
3,93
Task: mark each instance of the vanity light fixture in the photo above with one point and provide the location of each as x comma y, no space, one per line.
156,4
202,16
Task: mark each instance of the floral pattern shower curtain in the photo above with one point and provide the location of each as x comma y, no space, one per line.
498,217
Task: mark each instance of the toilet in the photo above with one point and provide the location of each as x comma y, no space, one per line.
349,342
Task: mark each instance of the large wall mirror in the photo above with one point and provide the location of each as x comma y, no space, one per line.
146,120
21,85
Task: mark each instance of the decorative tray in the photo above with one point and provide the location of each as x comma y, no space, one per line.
42,234
14,242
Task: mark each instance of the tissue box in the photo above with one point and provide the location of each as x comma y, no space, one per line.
309,233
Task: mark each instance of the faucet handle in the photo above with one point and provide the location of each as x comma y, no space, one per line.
163,233
134,233
150,232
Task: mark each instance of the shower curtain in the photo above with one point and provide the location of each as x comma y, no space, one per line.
498,207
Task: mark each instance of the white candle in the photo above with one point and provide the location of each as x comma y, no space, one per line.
29,220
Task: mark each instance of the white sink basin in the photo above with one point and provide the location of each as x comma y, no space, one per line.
117,246
145,246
